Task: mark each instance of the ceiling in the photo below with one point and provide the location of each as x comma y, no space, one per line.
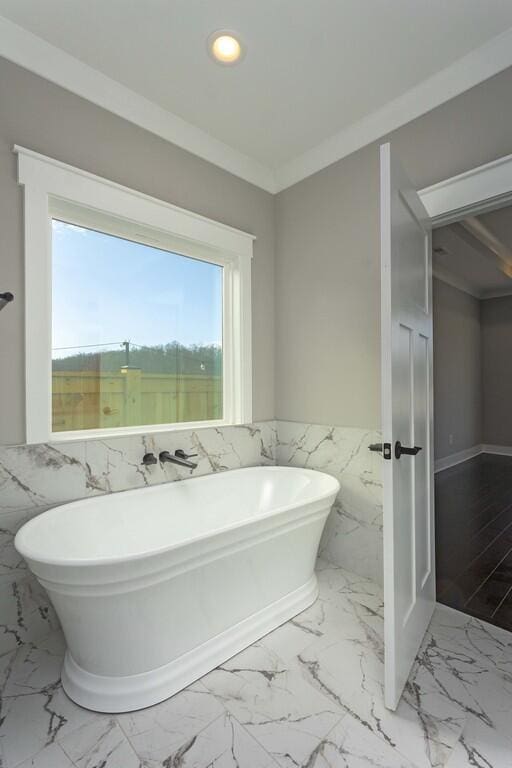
476,257
319,77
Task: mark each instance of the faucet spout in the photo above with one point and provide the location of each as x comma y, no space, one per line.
178,457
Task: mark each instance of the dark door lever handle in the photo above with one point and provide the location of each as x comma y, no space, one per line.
399,449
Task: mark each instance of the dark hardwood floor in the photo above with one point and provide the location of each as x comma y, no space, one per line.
474,538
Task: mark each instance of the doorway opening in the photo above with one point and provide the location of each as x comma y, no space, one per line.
407,390
472,302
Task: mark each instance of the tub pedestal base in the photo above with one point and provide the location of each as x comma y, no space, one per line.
103,693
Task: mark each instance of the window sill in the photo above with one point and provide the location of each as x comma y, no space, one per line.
104,434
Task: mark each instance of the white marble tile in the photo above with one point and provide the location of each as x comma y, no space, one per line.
337,449
100,744
354,602
463,676
309,694
38,475
32,694
51,757
424,730
353,533
274,703
288,640
334,581
12,565
223,744
157,732
481,747
470,641
351,745
354,543
26,613
233,447
347,665
115,463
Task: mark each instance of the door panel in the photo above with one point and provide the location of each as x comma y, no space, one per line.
409,584
422,501
412,257
403,411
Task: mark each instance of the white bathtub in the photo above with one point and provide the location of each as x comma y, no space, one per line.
155,587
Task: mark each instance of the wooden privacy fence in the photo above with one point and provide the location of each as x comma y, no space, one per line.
130,397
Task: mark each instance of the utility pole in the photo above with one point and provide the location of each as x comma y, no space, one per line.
126,345
132,390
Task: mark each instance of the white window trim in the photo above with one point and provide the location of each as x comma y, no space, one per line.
44,179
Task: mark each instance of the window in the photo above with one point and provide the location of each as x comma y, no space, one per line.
145,323
136,333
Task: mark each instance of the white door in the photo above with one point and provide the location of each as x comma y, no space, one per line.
409,573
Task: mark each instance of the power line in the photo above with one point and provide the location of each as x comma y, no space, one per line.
182,348
87,346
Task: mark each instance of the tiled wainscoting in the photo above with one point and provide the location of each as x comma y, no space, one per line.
33,478
353,534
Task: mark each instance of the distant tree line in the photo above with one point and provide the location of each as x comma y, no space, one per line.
174,358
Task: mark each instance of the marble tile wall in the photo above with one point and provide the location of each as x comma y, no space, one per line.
353,535
34,478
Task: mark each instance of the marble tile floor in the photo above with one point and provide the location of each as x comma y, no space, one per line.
308,694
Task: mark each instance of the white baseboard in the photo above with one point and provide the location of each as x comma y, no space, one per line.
470,453
458,458
499,450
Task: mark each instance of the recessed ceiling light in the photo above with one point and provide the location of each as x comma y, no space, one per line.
225,47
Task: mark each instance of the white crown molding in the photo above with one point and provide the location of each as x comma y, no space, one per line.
31,52
35,54
472,69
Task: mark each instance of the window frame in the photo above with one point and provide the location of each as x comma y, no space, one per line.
49,186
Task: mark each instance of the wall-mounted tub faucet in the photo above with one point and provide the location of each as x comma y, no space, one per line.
178,457
148,459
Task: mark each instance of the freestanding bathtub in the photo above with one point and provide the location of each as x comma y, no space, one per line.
157,586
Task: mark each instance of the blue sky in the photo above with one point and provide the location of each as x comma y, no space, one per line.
106,289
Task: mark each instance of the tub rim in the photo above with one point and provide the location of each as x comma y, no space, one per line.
28,552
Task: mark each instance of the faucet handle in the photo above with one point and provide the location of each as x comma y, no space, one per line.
180,453
149,458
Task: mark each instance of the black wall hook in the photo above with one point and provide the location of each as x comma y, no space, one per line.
6,298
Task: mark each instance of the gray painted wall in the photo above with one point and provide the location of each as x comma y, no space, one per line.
457,370
326,277
472,370
328,265
497,370
48,119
